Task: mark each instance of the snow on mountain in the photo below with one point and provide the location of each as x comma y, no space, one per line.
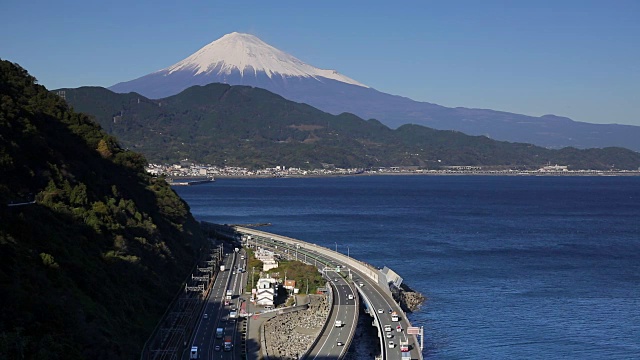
243,59
247,53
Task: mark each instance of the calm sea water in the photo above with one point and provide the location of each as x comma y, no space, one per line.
513,267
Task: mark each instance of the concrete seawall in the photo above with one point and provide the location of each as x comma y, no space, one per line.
365,269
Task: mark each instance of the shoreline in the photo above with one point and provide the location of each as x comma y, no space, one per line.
570,174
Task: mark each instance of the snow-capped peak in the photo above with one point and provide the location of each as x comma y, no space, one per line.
245,52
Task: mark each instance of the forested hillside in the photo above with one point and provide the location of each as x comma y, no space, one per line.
250,127
92,249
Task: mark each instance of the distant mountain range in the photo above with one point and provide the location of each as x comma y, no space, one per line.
244,126
242,59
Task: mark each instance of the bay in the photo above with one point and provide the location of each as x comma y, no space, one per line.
513,267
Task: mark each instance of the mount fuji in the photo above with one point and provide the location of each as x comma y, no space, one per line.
243,59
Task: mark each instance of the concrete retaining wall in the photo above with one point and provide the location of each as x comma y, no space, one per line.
362,267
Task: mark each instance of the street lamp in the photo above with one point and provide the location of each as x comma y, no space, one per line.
349,261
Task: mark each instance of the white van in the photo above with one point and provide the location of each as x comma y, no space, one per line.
194,353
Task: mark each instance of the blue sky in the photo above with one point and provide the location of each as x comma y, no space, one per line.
579,59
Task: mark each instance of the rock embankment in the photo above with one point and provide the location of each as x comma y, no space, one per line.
408,299
290,335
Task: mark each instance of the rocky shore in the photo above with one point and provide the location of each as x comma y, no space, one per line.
290,335
408,299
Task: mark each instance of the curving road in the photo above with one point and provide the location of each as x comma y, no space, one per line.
380,302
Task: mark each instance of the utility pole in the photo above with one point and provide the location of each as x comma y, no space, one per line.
253,272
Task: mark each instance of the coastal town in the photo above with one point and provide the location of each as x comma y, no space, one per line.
189,169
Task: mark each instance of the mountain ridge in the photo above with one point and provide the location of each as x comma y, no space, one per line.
251,127
247,52
334,96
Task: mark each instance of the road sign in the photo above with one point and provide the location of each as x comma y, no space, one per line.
413,330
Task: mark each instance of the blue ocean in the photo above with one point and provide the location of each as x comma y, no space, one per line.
513,267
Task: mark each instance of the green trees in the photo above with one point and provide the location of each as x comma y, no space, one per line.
87,270
249,127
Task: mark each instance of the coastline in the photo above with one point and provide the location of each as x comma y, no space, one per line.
567,174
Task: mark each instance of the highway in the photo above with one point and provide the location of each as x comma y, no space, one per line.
379,300
215,314
333,342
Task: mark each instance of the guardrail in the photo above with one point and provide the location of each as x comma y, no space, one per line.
374,314
324,327
364,268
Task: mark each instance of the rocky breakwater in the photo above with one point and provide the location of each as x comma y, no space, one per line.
408,299
289,335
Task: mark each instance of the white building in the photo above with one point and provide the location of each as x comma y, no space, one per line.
268,259
554,168
265,291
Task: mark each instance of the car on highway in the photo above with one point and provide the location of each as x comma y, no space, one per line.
350,296
340,343
217,348
399,328
361,284
380,311
335,279
389,335
206,316
387,328
391,344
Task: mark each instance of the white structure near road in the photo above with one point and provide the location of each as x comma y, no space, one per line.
265,291
268,259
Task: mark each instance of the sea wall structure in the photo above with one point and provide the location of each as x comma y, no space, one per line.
372,284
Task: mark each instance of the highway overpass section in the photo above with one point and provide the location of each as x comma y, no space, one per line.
370,283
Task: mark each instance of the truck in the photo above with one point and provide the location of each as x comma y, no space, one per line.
404,346
338,323
194,353
222,268
219,333
394,316
227,343
229,294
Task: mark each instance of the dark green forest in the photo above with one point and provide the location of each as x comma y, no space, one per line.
243,126
92,249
